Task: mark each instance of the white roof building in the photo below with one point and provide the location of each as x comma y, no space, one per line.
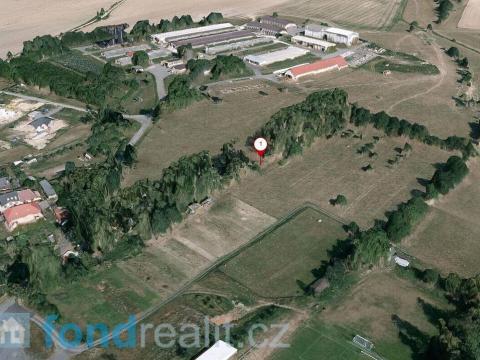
291,52
178,34
401,262
219,351
336,35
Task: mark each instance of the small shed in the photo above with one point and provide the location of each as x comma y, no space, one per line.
401,262
192,208
137,69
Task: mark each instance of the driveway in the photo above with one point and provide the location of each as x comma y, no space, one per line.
160,73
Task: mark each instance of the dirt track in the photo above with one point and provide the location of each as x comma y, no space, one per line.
441,77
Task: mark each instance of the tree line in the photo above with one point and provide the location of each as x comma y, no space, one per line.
393,126
289,130
143,28
221,67
33,68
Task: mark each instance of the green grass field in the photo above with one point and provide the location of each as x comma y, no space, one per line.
70,115
108,296
317,340
285,256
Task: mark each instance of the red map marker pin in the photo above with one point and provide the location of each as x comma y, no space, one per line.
260,145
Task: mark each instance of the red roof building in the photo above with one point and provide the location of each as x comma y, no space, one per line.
22,214
317,67
27,196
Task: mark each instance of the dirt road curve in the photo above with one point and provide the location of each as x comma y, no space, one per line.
442,67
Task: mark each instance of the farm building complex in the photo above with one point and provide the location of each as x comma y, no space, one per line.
271,26
291,52
335,63
167,37
213,39
336,35
313,43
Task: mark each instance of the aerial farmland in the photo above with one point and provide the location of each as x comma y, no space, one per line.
213,180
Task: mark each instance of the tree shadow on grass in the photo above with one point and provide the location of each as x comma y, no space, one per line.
413,337
433,313
474,130
423,182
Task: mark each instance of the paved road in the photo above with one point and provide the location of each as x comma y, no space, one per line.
145,121
34,98
160,73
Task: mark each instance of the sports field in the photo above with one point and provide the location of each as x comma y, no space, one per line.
316,339
448,238
286,255
368,310
370,13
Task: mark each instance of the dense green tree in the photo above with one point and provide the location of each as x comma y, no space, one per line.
401,222
449,175
140,58
453,52
370,247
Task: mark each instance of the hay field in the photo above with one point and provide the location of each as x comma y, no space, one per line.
448,238
374,14
426,99
368,309
206,126
332,167
470,16
287,254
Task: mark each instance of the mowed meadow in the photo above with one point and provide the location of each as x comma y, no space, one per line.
207,126
374,14
448,238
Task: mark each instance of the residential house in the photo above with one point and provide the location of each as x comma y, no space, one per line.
41,124
48,190
8,200
21,215
5,184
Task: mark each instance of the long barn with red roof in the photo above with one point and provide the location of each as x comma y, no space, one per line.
317,67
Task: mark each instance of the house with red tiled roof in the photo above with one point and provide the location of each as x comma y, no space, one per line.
317,67
21,215
28,196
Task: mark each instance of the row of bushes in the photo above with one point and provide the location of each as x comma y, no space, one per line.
393,126
292,128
